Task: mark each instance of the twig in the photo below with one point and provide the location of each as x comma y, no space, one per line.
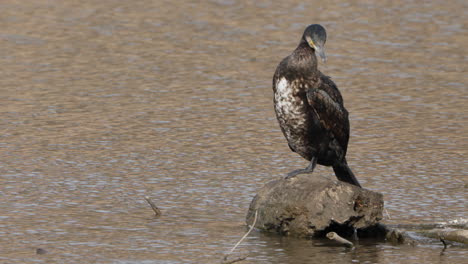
153,206
443,241
386,212
241,258
238,243
337,238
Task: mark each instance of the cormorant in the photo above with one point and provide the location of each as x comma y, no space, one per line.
310,110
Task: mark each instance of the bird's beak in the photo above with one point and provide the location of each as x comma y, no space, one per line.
318,49
321,52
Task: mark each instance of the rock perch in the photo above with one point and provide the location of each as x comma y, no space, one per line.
309,205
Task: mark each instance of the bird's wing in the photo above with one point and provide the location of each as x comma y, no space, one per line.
330,87
328,105
275,79
278,72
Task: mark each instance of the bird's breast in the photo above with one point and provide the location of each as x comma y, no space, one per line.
291,109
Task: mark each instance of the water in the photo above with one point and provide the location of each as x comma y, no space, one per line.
105,102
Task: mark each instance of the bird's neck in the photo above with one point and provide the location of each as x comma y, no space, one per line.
304,57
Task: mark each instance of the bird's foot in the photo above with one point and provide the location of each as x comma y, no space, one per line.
308,169
294,173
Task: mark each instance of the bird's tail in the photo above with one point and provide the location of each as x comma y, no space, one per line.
344,173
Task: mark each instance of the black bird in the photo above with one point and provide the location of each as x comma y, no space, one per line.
310,110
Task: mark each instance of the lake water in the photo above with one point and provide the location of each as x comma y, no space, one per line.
105,102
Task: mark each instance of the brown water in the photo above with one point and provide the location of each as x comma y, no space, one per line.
105,102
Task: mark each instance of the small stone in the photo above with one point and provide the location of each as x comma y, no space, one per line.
41,251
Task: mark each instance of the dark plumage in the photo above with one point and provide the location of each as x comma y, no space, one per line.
310,110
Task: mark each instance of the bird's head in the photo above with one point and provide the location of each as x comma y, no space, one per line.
315,35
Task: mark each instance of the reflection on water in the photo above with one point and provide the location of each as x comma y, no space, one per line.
104,103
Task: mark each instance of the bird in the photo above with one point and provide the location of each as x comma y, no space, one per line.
310,110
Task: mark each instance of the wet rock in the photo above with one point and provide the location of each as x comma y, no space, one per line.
397,236
311,205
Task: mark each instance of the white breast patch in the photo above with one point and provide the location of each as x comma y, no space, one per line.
289,108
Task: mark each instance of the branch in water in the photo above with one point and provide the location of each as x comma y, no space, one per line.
234,260
337,238
442,239
153,206
225,261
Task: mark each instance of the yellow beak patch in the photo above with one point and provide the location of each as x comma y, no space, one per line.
311,42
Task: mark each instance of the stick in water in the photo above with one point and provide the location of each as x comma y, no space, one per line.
386,212
153,206
234,260
337,238
442,239
246,234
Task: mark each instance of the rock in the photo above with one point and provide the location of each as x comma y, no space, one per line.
41,251
308,205
397,236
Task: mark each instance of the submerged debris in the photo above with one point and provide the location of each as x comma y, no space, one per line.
334,236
